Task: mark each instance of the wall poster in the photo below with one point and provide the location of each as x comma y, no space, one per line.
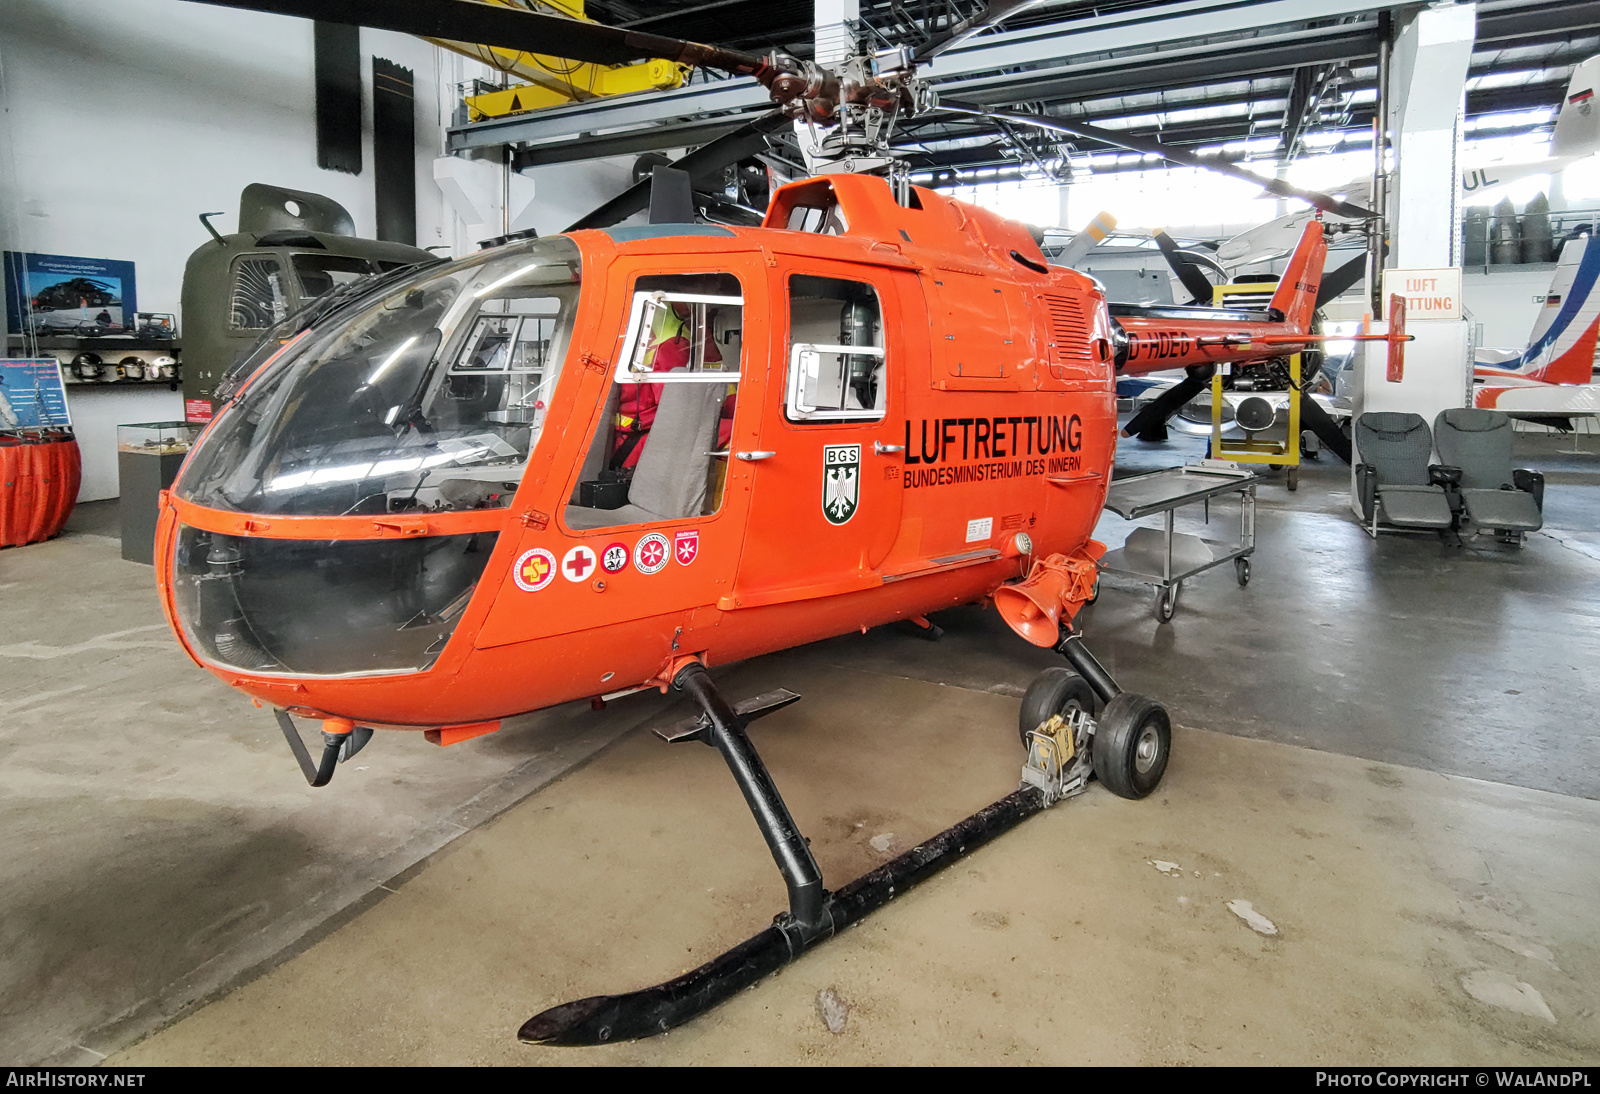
59,294
32,395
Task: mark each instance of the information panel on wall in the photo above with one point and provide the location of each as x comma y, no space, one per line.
1430,294
60,294
32,395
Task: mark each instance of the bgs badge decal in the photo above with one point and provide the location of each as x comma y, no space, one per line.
841,481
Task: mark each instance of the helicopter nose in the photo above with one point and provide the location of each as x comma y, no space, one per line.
324,607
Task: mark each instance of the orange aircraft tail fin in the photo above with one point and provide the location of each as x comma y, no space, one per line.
1296,296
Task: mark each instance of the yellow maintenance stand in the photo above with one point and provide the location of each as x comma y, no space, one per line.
541,81
1285,453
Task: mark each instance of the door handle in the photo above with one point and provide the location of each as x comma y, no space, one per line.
751,457
885,449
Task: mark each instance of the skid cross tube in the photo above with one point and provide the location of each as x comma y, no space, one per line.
789,848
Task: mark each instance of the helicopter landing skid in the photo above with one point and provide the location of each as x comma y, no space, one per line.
814,914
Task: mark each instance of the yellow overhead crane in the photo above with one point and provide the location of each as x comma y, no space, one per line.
552,81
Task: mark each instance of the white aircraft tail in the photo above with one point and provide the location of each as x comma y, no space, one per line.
1561,347
1577,130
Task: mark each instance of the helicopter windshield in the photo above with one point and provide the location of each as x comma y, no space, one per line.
429,398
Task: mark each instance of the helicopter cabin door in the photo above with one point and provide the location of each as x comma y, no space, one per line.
651,513
825,494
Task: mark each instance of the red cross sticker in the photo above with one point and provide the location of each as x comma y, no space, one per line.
577,563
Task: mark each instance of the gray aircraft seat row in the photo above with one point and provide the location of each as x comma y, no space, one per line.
1473,486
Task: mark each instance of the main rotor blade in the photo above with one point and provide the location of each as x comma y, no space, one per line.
1187,270
508,28
1326,202
702,165
993,12
1337,281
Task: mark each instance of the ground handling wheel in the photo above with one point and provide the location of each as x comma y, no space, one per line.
1167,603
1241,569
1132,740
1054,691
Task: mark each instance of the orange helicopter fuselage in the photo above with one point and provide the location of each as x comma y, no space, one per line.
999,420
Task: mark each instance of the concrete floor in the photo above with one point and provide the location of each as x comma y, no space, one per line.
1388,748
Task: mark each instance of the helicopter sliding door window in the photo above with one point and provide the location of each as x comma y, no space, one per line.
660,451
259,298
836,352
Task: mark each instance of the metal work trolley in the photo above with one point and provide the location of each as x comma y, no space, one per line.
1166,559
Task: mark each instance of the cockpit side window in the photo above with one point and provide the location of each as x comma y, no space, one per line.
259,297
322,273
660,451
837,359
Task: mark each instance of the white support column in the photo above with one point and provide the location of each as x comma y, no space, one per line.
1428,80
835,40
1427,83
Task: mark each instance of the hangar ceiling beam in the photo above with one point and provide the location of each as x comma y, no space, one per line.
957,72
1141,28
1507,20
1174,67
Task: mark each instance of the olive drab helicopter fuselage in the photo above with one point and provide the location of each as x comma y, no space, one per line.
577,466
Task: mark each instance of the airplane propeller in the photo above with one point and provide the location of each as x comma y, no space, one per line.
1191,268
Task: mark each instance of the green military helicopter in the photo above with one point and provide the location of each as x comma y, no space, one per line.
294,252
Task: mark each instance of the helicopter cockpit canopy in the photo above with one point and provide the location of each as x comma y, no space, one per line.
430,398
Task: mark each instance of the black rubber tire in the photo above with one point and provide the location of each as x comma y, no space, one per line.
1167,603
1294,478
1053,691
1132,741
1241,570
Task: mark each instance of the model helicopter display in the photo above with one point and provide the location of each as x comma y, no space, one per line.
609,460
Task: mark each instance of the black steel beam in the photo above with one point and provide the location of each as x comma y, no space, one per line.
1504,23
1172,68
683,135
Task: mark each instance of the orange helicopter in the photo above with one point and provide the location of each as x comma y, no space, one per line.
588,464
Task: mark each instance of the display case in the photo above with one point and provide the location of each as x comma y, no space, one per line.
156,438
149,455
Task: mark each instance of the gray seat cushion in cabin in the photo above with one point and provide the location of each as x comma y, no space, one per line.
674,469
